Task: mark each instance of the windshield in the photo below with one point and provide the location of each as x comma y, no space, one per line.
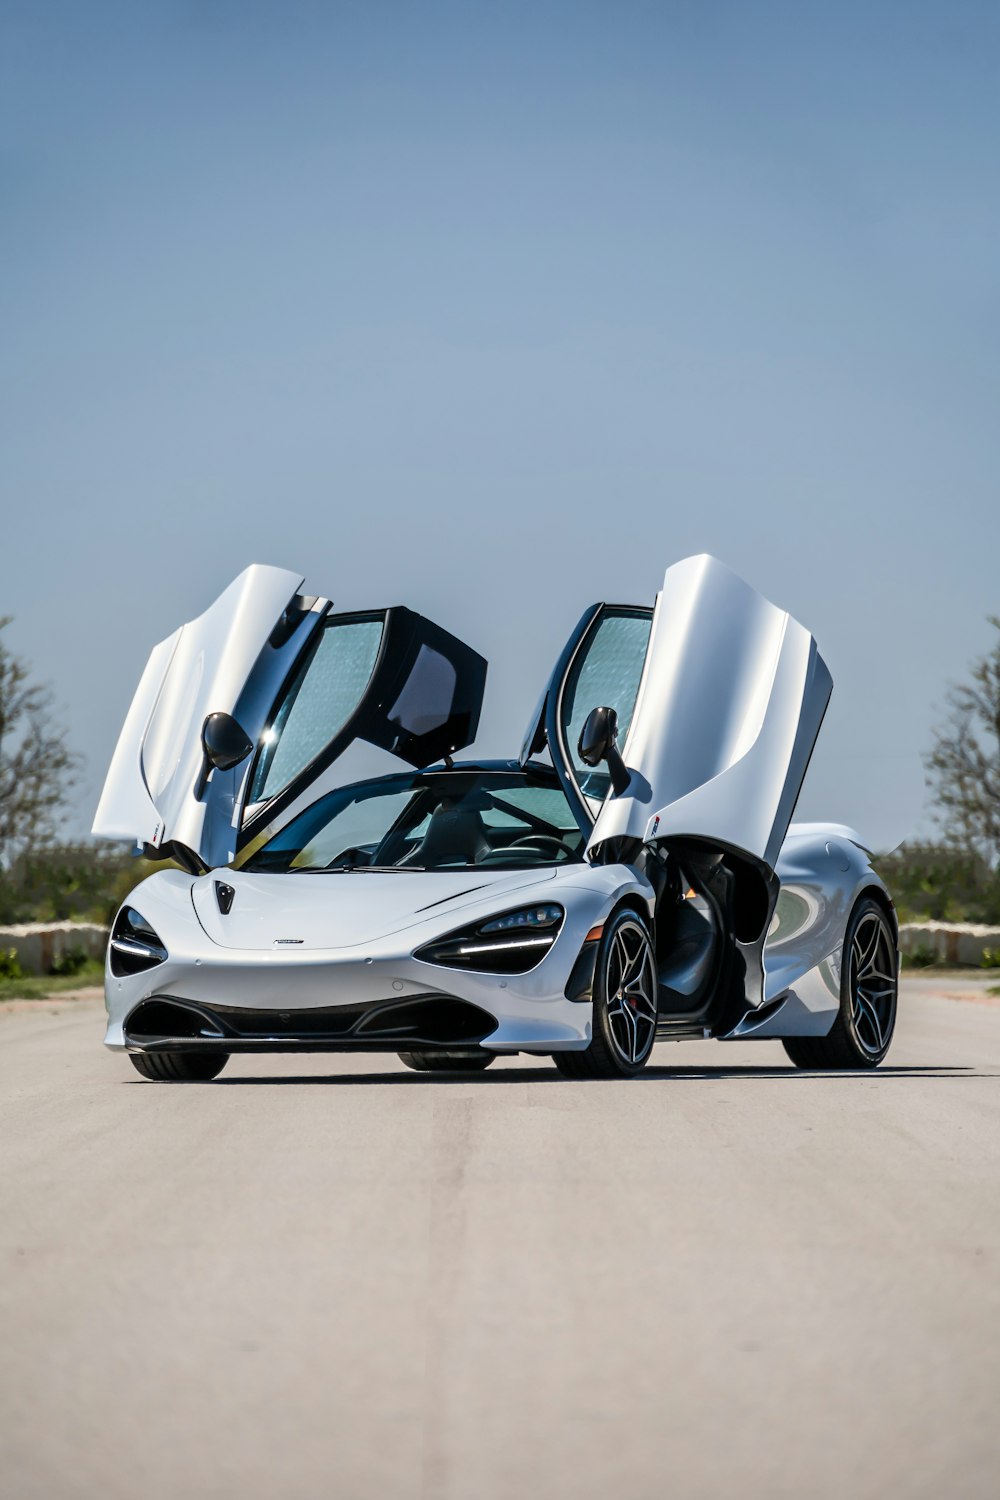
430,820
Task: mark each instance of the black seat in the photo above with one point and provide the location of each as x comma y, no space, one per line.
455,835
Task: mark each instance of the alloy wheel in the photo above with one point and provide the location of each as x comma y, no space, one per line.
872,984
631,992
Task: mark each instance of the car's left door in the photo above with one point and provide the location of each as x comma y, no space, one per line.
719,696
289,684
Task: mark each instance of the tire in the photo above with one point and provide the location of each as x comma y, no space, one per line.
568,1064
869,982
179,1067
447,1062
624,1024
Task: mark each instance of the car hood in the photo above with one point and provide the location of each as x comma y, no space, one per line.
337,909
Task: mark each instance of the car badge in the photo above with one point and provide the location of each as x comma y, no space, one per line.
289,940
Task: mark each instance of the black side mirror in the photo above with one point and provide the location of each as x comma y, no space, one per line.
224,742
599,742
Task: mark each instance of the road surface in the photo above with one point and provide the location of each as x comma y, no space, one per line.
333,1278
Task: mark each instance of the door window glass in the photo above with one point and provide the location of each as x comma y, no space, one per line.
323,695
425,702
605,673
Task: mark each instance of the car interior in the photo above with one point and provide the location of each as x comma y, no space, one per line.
430,821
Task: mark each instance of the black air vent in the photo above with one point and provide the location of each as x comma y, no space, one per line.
224,894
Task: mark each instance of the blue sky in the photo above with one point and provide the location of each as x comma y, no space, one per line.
499,309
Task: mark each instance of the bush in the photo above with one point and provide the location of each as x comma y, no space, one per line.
60,882
942,884
9,966
73,962
922,957
990,958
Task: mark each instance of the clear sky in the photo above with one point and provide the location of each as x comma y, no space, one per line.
496,309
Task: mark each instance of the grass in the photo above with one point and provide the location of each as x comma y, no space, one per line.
40,986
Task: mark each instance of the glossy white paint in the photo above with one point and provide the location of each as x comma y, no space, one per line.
823,869
219,663
731,699
344,909
531,1009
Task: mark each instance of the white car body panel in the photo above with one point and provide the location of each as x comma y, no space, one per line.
348,910
823,869
531,1010
218,663
731,699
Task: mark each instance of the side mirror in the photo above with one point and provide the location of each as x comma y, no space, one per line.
224,742
599,742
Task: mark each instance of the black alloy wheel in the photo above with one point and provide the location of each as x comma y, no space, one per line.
624,1023
869,985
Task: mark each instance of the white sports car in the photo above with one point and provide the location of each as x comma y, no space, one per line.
643,883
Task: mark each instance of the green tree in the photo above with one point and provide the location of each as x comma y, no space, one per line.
37,767
965,761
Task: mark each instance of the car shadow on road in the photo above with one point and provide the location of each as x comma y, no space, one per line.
683,1074
806,1075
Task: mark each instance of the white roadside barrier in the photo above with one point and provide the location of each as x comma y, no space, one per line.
40,946
948,942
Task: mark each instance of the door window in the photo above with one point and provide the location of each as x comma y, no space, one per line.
326,690
605,673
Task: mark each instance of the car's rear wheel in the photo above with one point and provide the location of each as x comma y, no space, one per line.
447,1062
179,1067
624,1024
869,981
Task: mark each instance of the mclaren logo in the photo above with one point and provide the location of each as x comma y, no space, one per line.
279,941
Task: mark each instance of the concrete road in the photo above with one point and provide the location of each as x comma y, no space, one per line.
333,1278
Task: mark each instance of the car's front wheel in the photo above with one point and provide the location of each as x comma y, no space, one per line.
447,1062
179,1067
624,1024
862,1032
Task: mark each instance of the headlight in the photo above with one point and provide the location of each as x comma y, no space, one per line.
134,944
511,943
533,917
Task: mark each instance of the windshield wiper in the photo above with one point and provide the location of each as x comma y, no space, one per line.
353,869
389,869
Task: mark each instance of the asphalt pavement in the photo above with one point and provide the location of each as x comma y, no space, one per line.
330,1277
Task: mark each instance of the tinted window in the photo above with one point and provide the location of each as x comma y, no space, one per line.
426,701
323,695
605,673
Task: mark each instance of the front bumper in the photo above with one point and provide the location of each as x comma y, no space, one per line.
326,1002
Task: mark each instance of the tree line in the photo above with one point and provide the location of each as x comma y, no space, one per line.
954,876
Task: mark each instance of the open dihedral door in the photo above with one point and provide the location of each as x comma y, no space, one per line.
731,698
241,710
719,696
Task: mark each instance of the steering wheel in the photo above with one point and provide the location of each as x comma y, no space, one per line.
535,839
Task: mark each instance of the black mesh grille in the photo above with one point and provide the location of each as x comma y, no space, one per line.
440,1020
